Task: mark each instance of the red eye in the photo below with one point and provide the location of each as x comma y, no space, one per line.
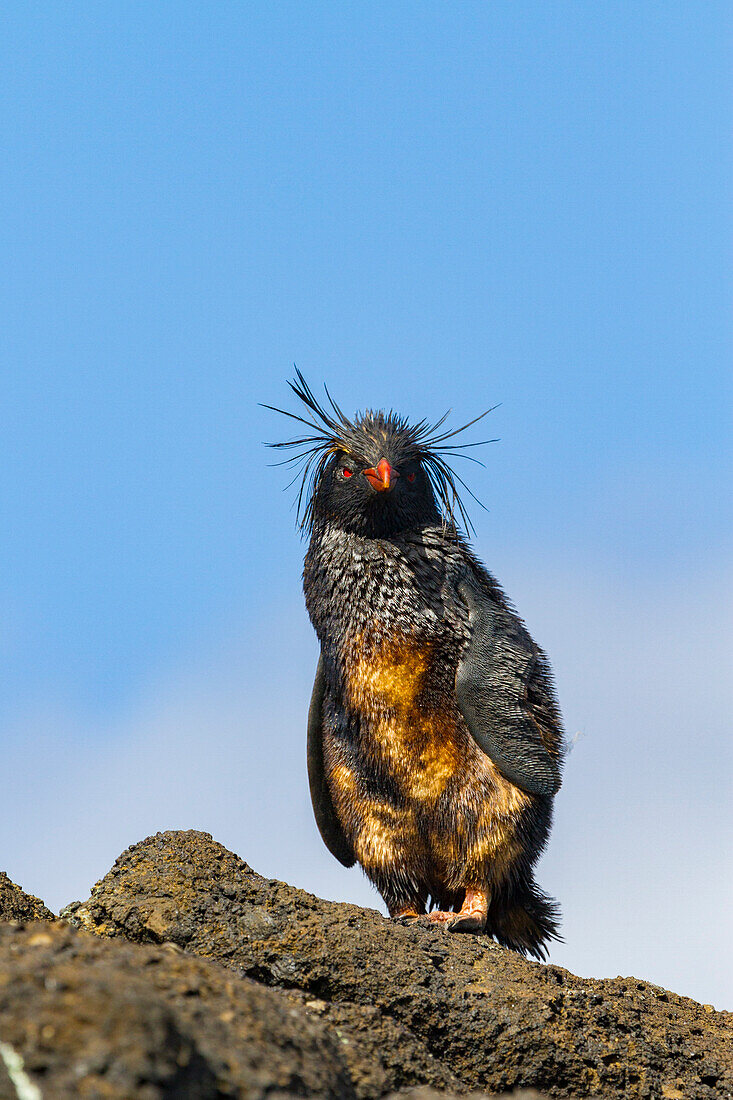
411,477
346,471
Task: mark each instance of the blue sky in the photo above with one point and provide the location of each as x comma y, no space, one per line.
425,206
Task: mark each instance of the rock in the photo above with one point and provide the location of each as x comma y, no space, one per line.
381,1053
15,904
433,1094
413,1005
88,1018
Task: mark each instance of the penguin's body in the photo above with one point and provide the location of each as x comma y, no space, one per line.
434,740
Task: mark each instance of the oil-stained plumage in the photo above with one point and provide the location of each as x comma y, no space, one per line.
434,738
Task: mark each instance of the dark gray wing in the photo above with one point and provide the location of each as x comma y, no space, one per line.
326,820
492,688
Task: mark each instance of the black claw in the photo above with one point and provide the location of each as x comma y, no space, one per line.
474,925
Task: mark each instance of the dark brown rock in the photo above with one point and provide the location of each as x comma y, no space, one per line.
15,904
427,1093
381,1054
472,1011
92,1019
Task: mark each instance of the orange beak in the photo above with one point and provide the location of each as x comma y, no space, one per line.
381,477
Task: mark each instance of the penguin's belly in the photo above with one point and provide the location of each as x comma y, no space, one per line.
408,721
445,811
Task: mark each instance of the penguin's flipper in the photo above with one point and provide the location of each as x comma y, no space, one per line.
325,814
493,681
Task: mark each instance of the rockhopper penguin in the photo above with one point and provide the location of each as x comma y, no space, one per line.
434,738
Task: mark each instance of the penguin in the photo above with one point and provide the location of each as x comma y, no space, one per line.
435,743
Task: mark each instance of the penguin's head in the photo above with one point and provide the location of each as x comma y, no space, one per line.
375,474
375,483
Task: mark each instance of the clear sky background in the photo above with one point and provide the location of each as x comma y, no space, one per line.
425,205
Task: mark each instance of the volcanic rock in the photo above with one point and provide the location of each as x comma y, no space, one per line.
413,1005
89,1018
15,904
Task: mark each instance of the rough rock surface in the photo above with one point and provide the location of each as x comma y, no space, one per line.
15,904
427,1093
412,1005
93,1019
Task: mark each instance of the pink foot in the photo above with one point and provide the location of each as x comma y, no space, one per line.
469,921
408,915
438,916
472,915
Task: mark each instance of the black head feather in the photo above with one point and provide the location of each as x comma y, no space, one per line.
331,433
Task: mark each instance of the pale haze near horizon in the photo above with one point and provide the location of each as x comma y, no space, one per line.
515,204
